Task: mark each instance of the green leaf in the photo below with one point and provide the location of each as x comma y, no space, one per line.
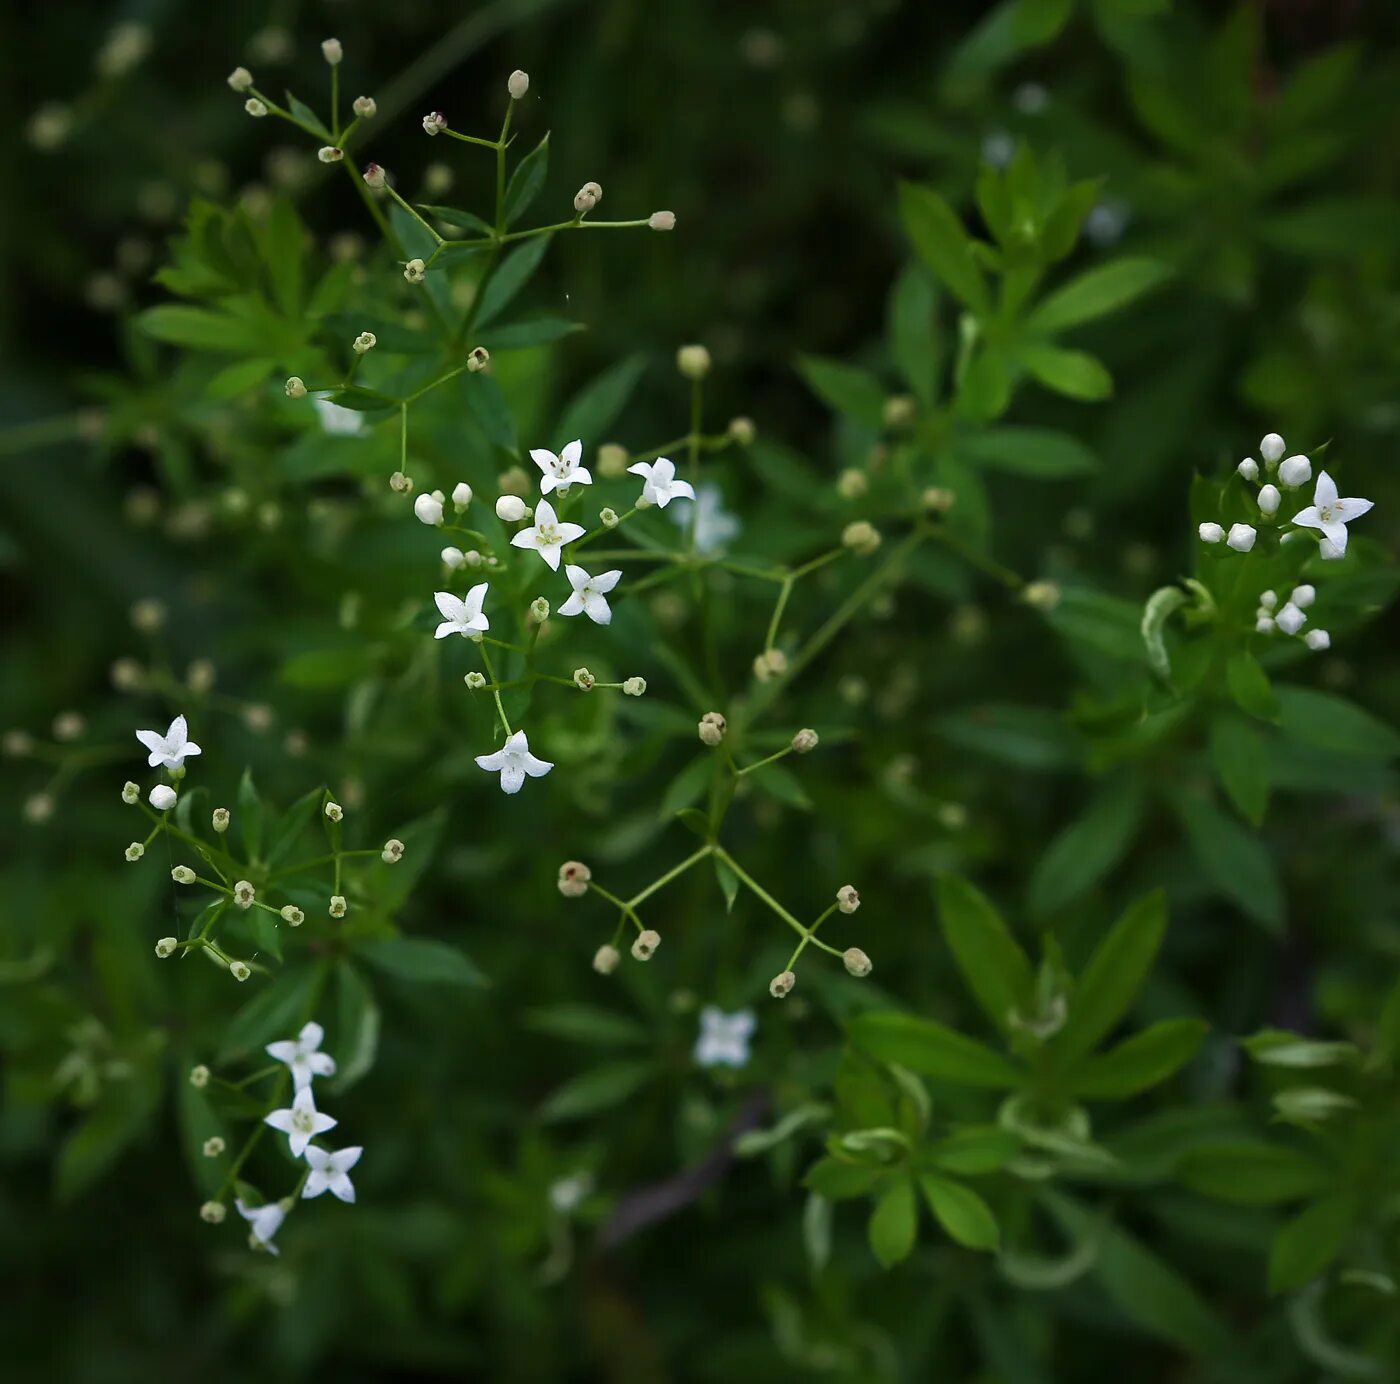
1019,451
1141,1061
526,182
894,1224
599,1089
585,1023
319,669
98,1140
513,273
1096,293
993,965
728,882
357,1021
201,329
238,378
309,119
781,784
931,1048
837,1180
597,406
1075,374
975,1149
845,388
1108,625
420,959
1233,859
1241,760
487,402
1333,723
1113,976
1023,736
1310,1242
941,242
250,816
1251,1173
1276,1047
1089,848
694,820
277,1011
530,331
1249,686
961,1212
914,331
453,216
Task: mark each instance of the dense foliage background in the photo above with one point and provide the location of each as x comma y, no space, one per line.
1253,154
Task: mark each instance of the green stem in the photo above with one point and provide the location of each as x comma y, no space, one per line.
762,894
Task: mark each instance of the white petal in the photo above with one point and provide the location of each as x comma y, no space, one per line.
476,598
578,578
320,1064
1325,495
605,581
154,741
580,476
536,768
548,484
572,453
342,1187
178,733
550,554
597,609
1310,518
284,1050
544,459
317,1159
1352,508
527,538
572,606
640,468
342,1160
663,471
569,532
512,777
279,1119
316,1180
544,514
321,1122
492,763
449,606
190,748
447,627
683,488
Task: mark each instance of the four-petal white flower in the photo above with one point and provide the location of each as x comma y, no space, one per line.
330,1172
171,749
590,594
562,471
459,615
1331,515
265,1221
547,535
301,1122
303,1056
513,761
661,485
724,1038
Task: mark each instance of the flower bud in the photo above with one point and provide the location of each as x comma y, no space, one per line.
365,107
478,358
634,687
401,484
1269,499
220,820
334,812
518,83
1241,537
1249,469
937,499
607,517
240,79
295,387
338,906
239,970
475,681
587,197
213,1212
861,538
771,663
1290,619
255,108
583,679
1264,624
780,987
244,894
366,341
857,963
712,727
434,123
693,362
1041,595
573,879
428,508
130,792
1303,596
166,947
804,741
182,874
135,851
161,797
415,271
292,915
1317,640
851,484
899,411
199,1076
328,153
605,960
510,509
393,851
461,496
847,900
332,51
662,221
374,176
1271,448
1268,600
644,948
1297,470
453,558
742,431
1211,533
213,1146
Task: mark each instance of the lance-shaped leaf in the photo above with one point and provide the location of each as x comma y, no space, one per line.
997,971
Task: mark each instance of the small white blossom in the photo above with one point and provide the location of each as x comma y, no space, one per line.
415,271
332,51
459,615
1271,447
461,496
568,1193
1268,600
374,176
518,84
169,751
240,79
303,1056
513,761
366,341
1303,596
1264,624
453,558
562,471
590,594
366,107
264,1221
330,1172
1297,470
1290,619
1317,640
428,508
1331,515
434,123
162,797
724,1038
255,108
1249,469
661,485
301,1122
328,153
547,536
1241,537
1211,533
511,509
1269,500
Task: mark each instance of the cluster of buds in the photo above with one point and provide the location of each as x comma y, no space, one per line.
861,537
711,728
573,879
770,664
587,197
1289,618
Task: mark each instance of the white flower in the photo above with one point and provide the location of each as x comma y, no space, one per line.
1331,515
715,526
170,750
330,1172
461,616
1295,471
1241,537
301,1122
547,536
265,1221
661,484
724,1038
1269,500
337,420
1290,619
590,594
513,761
568,1193
1211,533
162,797
303,1056
1249,469
1317,640
428,508
1303,596
562,471
1271,447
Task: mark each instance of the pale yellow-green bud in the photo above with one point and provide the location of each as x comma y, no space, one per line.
573,879
634,687
334,812
182,874
857,963
338,906
244,894
166,947
861,538
239,970
780,987
130,792
742,431
213,1212
693,362
847,899
393,851
851,484
804,741
292,915
295,387
199,1076
712,727
478,358
644,948
583,679
605,960
213,1146
219,821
